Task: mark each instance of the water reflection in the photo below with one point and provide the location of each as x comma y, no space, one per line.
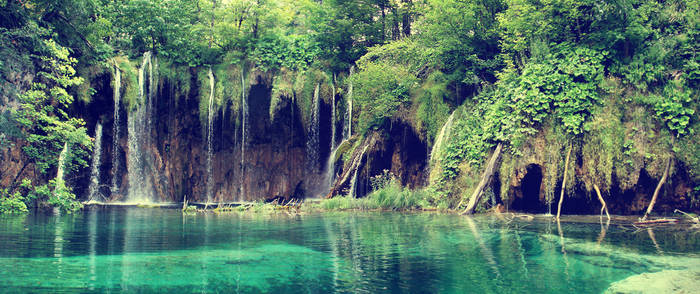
143,250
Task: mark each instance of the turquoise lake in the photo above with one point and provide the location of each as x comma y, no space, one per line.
143,250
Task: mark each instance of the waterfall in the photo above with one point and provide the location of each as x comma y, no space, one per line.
353,181
115,130
329,170
442,137
62,162
347,130
139,161
333,114
95,166
312,143
244,132
210,130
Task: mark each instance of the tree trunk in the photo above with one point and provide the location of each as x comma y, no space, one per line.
602,201
563,182
406,25
490,169
211,27
659,185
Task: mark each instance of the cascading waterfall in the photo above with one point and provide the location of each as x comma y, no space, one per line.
353,181
244,132
442,137
139,161
329,171
312,144
347,130
62,162
115,130
333,114
210,131
94,187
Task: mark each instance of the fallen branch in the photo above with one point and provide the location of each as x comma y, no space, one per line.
490,168
563,183
660,221
695,219
602,201
659,185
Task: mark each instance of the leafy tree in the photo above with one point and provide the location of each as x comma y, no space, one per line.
45,123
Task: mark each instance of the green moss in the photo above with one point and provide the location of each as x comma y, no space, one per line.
432,111
178,77
602,145
130,82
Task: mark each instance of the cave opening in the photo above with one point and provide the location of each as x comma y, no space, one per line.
530,191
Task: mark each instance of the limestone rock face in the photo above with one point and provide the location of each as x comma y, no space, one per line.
402,153
273,164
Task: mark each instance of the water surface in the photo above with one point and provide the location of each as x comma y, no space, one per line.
123,249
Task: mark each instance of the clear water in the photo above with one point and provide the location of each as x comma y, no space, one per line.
123,249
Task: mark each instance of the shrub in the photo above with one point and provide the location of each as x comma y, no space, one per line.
12,203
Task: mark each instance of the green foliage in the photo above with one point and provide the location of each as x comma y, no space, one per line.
460,39
380,90
55,194
602,146
12,203
130,82
61,196
565,83
432,110
390,197
42,114
294,52
674,109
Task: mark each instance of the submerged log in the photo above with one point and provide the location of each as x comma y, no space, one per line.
488,173
563,183
660,221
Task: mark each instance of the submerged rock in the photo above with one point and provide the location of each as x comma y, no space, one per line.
667,281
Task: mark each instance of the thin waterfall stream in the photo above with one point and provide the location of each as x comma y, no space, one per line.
244,133
94,187
210,131
60,171
115,130
312,143
348,129
329,170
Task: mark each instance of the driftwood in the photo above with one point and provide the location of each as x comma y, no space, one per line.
694,219
347,175
661,221
486,176
563,182
602,201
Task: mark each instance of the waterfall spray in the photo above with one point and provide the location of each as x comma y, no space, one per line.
312,143
115,130
353,181
333,114
442,137
95,166
139,161
244,131
62,162
329,170
210,131
348,118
